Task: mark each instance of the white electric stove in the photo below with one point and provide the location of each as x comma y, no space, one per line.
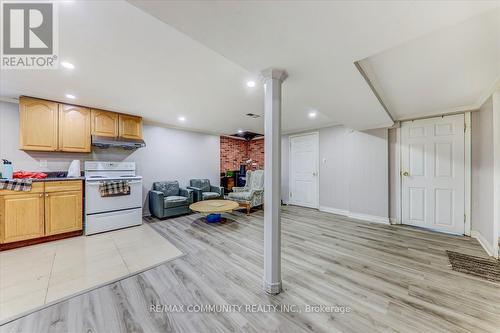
116,212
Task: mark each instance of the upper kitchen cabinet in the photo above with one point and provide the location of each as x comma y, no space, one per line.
130,127
52,126
104,123
74,128
38,124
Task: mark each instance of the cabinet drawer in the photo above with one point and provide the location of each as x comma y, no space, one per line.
36,188
66,185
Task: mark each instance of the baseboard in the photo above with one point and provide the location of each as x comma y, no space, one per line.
357,216
334,210
394,220
484,243
369,218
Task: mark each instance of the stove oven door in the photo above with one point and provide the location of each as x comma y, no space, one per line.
94,203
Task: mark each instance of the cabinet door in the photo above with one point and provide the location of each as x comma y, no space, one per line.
74,128
38,124
63,212
104,123
130,127
21,217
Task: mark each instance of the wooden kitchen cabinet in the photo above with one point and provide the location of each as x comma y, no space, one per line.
63,207
74,128
50,208
38,120
21,214
104,123
130,127
63,212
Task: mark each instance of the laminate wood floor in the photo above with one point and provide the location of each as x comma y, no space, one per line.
393,278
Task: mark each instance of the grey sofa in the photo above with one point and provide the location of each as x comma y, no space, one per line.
167,199
204,191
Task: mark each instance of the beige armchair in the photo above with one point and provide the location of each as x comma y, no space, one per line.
252,195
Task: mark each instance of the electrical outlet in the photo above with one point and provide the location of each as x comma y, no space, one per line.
43,163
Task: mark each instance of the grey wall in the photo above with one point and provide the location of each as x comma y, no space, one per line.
333,168
284,168
393,175
482,172
170,154
353,171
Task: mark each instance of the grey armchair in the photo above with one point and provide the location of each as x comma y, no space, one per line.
204,191
167,199
252,194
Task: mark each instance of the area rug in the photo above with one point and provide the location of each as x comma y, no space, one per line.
485,268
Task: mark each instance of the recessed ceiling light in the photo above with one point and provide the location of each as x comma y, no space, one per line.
251,84
70,96
181,118
312,114
67,65
240,131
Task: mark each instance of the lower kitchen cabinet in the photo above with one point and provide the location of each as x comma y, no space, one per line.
49,209
63,212
21,217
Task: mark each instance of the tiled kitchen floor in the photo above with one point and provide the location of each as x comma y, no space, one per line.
36,275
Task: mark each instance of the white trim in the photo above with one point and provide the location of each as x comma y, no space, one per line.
484,243
468,173
369,218
357,216
332,210
291,200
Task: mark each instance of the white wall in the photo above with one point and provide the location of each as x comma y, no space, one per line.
482,175
353,172
169,154
496,162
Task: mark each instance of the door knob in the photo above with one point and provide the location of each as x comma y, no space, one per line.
406,173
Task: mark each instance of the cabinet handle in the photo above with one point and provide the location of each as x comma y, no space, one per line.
41,195
46,195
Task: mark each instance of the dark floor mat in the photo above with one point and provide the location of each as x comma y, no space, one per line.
485,268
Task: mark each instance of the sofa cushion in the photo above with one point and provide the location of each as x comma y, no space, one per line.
203,184
169,188
210,195
240,196
174,201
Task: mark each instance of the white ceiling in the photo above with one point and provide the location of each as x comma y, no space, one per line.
128,61
452,69
194,61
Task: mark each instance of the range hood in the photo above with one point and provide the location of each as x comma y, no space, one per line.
108,142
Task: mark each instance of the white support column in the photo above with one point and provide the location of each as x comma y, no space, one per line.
272,79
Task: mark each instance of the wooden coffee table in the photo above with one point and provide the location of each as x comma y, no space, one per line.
214,208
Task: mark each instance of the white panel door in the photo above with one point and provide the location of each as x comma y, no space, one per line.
304,160
432,169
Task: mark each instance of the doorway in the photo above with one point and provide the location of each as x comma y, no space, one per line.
433,172
304,170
